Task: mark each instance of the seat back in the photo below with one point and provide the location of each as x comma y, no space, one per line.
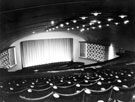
95,96
74,97
123,94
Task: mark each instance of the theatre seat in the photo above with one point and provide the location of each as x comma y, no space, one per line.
123,94
91,85
66,89
97,96
45,98
74,97
12,96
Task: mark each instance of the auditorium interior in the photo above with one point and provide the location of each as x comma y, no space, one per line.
67,50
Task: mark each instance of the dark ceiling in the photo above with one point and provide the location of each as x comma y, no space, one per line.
19,16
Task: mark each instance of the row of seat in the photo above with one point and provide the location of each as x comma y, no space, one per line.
86,78
84,95
88,81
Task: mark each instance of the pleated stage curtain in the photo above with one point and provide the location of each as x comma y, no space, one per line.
38,52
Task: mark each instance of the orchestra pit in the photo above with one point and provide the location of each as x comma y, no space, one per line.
67,50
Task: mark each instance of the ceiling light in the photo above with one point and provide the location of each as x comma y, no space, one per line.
109,19
67,23
99,22
57,27
116,23
83,25
77,27
68,29
93,21
88,28
107,25
61,25
93,27
99,26
33,32
122,16
53,28
96,13
72,28
74,21
52,22
50,29
126,21
81,30
83,18
90,23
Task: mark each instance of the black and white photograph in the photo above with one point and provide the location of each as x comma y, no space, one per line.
67,50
